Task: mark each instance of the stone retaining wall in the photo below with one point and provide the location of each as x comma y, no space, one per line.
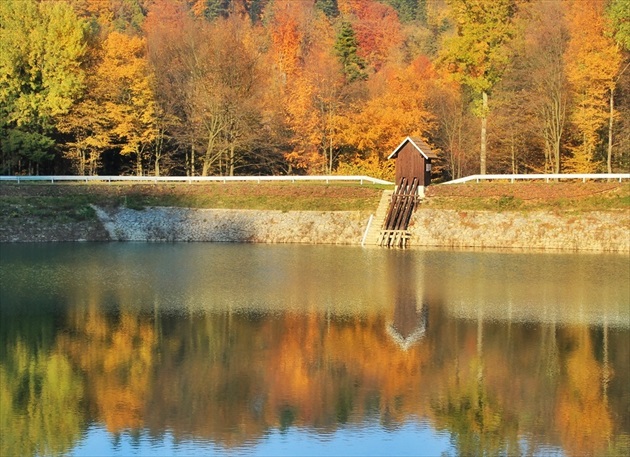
183,224
593,231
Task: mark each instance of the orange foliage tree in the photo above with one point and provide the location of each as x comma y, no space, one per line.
397,107
312,85
378,30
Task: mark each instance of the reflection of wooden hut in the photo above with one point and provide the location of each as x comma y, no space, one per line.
413,173
409,318
409,325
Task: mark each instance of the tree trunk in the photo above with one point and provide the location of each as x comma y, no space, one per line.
513,150
556,151
159,143
192,160
82,162
484,125
138,162
330,159
232,156
560,111
610,129
210,157
206,157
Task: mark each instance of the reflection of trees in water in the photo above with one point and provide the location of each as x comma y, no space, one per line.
40,397
231,376
116,352
582,411
471,411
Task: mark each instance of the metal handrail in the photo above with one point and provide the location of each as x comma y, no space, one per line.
191,179
538,176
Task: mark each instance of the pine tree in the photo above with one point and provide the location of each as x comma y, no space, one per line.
328,7
346,47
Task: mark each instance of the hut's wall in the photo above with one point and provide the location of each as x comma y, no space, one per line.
409,164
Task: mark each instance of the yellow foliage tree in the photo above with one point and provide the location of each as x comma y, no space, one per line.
593,61
127,95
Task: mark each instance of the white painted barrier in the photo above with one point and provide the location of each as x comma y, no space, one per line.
540,176
190,179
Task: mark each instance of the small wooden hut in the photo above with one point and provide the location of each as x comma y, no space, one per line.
413,160
413,173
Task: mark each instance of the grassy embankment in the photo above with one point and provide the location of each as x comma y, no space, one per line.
569,196
71,202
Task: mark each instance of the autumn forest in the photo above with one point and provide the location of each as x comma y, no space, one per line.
240,87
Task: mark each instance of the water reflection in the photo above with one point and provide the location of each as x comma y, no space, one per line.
158,349
409,320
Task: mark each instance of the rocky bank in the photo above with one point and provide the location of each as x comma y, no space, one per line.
538,230
215,225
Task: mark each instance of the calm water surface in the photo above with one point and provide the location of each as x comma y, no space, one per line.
201,349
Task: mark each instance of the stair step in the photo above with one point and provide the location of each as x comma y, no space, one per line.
378,218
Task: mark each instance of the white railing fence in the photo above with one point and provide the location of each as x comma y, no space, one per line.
546,177
325,178
190,179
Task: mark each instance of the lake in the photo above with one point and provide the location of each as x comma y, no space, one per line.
239,349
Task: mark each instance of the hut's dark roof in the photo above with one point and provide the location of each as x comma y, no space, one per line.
419,144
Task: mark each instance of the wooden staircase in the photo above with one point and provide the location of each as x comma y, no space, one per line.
374,231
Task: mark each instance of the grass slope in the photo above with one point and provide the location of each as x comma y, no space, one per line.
71,202
534,195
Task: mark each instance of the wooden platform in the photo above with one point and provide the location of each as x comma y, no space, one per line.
394,238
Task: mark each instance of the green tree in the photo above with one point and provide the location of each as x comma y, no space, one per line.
346,47
410,10
478,54
619,15
43,45
211,9
328,7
